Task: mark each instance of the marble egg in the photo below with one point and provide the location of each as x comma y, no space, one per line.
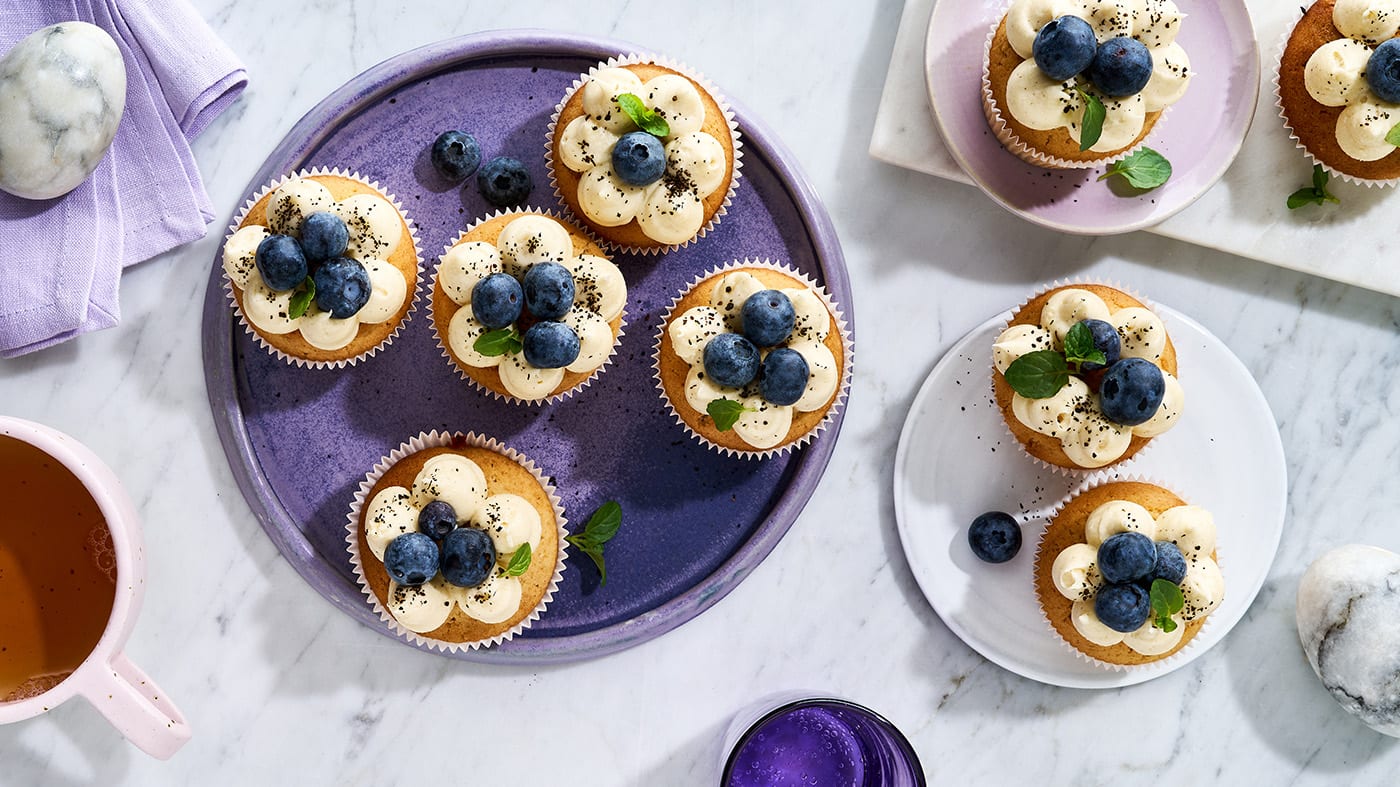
62,91
1349,622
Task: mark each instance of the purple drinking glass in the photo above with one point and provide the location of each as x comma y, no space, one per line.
800,739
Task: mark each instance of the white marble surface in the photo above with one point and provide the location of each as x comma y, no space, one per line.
282,689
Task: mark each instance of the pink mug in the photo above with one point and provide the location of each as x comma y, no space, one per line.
106,678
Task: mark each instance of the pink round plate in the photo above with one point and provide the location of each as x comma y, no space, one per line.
1200,135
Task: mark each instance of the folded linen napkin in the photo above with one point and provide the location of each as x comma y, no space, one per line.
63,257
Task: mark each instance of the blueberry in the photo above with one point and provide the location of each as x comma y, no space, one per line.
1131,391
1106,340
497,300
638,158
411,559
437,519
783,378
549,290
456,155
1170,564
994,537
731,360
1126,557
1122,67
467,557
768,318
1065,47
504,182
1123,608
342,287
280,262
550,345
1383,71
323,236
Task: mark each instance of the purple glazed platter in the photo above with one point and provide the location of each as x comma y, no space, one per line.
695,523
1200,135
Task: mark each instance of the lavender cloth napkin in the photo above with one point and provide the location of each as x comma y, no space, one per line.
63,257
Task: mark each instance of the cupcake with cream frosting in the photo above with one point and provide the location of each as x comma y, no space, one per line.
644,154
1124,53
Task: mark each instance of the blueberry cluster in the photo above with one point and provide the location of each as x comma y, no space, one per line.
1067,47
464,555
535,306
733,359
1129,563
284,262
503,182
1131,389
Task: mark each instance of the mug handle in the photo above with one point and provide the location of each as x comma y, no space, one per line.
137,707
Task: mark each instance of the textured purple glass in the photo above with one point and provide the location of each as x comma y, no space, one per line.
695,523
825,742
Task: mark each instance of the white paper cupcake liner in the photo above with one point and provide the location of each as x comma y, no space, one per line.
842,388
1288,125
1161,663
462,367
413,289
695,76
1020,149
1074,472
436,439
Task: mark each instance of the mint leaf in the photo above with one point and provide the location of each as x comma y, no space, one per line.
1038,375
645,118
599,530
1145,169
1320,178
1393,137
520,561
502,341
1079,343
1318,194
1091,126
1301,197
1166,601
301,301
726,412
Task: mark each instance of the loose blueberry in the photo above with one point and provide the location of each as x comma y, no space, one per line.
1065,47
731,360
639,159
497,300
1131,391
1106,340
1122,67
323,236
504,182
1126,557
1170,564
994,537
783,378
342,287
455,155
437,519
1123,608
412,559
768,318
549,290
280,262
550,345
467,557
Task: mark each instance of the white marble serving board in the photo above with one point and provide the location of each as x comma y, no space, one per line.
1244,214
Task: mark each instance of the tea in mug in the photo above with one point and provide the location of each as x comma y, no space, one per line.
57,571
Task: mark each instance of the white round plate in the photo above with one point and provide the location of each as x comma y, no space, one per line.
956,459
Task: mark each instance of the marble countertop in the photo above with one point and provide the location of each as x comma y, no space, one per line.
282,688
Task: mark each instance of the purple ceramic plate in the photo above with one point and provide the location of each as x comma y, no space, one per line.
1200,135
695,523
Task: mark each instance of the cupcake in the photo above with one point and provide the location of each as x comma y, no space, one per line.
1099,563
1339,87
644,154
527,307
322,268
753,359
1085,376
1045,56
456,540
